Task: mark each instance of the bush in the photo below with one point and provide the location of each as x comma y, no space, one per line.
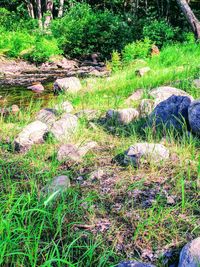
138,49
83,31
160,32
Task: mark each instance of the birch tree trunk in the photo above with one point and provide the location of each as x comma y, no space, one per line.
49,15
191,18
30,9
61,6
39,13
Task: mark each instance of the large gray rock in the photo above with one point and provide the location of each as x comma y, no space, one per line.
123,116
73,152
146,151
134,264
172,112
47,116
70,85
65,106
190,254
164,92
65,127
30,135
194,116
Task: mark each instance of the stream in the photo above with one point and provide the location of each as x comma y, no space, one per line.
21,96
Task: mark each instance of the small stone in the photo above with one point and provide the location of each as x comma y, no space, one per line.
64,107
123,116
69,85
30,135
170,200
65,127
196,83
146,107
47,115
155,50
194,116
147,151
136,96
190,254
134,264
73,152
37,88
97,175
141,72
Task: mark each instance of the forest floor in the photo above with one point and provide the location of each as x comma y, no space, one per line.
124,213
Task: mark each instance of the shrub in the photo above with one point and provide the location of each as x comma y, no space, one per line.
115,64
160,32
83,31
138,49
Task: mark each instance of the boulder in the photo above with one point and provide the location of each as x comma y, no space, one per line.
73,152
65,127
141,72
146,107
164,92
136,96
134,264
37,88
196,83
190,254
172,112
123,116
194,116
47,116
146,151
30,135
155,50
64,107
69,85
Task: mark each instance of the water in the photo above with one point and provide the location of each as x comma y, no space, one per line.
21,96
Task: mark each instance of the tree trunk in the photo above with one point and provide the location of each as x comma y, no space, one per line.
39,13
30,9
191,18
49,15
60,11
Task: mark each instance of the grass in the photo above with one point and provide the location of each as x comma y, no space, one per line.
125,213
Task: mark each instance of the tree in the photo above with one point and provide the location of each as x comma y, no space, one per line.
60,11
190,16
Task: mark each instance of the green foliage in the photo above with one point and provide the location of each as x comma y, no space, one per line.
160,32
115,64
138,49
35,48
83,31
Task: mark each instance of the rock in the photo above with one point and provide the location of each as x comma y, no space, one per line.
141,72
64,107
65,127
47,115
164,92
14,109
172,112
69,85
147,151
196,83
194,116
73,152
30,135
134,264
136,96
37,88
123,116
88,114
97,175
190,254
146,107
155,50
